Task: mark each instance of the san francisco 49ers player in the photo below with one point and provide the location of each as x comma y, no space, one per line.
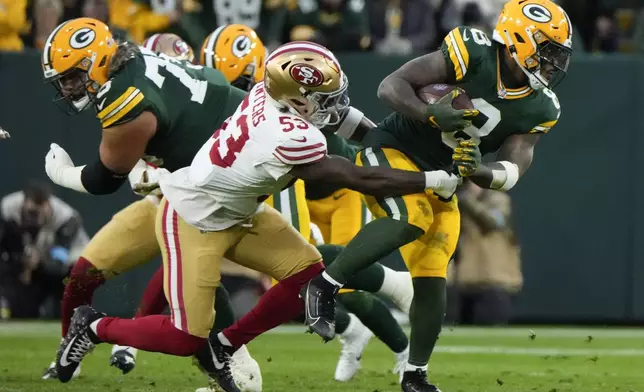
213,208
170,45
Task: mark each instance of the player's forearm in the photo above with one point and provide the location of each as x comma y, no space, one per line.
383,182
400,96
501,175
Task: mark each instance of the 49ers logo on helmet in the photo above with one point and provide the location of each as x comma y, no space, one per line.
181,47
307,75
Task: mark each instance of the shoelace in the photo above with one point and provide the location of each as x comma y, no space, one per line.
81,347
328,305
225,358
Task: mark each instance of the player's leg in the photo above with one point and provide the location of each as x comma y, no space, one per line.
126,241
427,260
346,218
191,275
276,249
399,221
320,212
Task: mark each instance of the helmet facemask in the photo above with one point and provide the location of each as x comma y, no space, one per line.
547,67
327,108
246,80
76,91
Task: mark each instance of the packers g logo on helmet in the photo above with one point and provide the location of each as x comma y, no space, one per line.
82,38
241,46
537,12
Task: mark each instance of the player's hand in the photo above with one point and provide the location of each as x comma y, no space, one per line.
466,157
146,182
56,160
444,183
443,116
4,134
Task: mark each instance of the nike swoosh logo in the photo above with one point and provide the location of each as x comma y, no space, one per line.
100,105
336,197
218,365
63,358
303,139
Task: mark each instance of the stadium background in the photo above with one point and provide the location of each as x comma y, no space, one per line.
579,211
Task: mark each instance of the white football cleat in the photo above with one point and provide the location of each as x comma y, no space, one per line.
245,370
353,340
401,362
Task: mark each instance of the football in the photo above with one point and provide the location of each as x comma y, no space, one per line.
430,94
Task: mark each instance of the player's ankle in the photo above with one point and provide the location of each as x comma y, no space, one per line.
329,279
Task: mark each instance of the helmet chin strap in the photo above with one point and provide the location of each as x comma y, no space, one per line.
535,82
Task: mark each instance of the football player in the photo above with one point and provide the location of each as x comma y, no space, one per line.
238,53
509,78
213,208
170,45
146,104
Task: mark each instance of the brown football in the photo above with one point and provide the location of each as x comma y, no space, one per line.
430,94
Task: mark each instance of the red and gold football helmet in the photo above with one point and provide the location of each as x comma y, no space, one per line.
76,58
171,45
237,52
307,78
538,35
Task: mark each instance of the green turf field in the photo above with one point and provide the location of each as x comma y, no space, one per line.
468,360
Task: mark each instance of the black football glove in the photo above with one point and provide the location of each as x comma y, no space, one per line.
443,116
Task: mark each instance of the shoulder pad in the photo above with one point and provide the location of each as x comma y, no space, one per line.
118,101
551,110
463,48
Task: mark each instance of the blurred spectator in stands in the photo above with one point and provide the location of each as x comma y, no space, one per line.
480,14
638,33
340,25
40,237
487,269
144,18
606,35
13,22
46,15
401,27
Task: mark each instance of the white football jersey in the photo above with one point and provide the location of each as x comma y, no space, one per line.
245,161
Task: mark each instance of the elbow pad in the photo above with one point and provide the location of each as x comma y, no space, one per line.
97,179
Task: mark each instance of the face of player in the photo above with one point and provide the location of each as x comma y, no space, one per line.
73,86
35,215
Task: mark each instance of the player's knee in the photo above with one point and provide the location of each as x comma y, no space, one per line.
83,270
302,277
329,253
187,344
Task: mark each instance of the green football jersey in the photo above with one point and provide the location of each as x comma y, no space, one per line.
335,145
189,102
473,63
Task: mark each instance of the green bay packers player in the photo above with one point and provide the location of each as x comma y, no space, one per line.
239,54
509,78
147,105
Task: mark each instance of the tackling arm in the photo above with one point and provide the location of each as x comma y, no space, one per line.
514,159
376,181
398,90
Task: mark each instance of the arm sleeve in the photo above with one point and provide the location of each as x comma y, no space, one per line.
551,113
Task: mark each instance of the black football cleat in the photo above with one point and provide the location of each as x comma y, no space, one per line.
123,360
77,343
214,359
319,307
416,381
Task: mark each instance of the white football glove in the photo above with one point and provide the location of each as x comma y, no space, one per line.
144,179
61,170
442,183
4,134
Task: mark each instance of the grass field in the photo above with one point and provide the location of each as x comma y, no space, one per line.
467,360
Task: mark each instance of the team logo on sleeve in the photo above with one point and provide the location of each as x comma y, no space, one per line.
307,75
537,12
241,46
82,38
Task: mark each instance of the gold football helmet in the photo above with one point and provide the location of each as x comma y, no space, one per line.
538,35
171,45
237,52
307,78
76,58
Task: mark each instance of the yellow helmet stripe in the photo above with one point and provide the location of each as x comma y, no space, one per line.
113,108
458,53
127,106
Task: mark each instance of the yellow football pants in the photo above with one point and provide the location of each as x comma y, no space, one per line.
429,255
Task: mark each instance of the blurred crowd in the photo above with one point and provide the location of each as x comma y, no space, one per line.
390,27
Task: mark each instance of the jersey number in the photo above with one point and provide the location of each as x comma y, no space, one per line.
491,118
230,140
153,63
